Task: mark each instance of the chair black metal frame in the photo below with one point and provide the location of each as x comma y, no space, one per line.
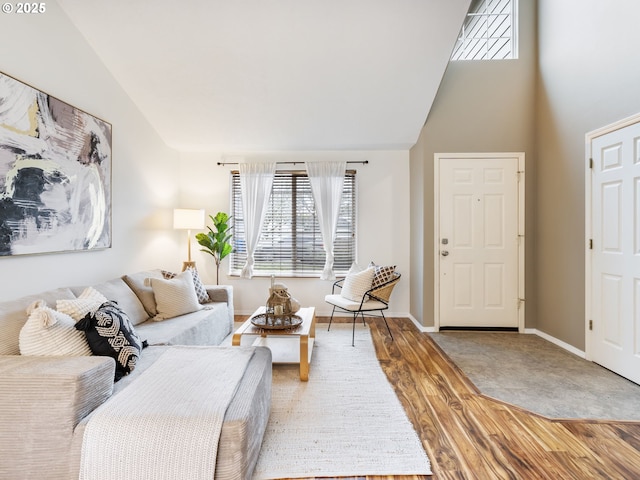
379,295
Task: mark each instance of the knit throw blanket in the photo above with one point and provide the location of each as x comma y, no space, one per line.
166,424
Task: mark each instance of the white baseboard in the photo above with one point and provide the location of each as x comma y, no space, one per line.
423,329
418,325
555,341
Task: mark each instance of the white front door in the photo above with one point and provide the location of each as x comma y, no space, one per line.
615,252
478,243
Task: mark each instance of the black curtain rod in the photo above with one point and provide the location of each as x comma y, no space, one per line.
363,162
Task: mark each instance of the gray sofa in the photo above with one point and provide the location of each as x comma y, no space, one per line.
46,402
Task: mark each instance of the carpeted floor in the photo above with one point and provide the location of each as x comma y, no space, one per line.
530,372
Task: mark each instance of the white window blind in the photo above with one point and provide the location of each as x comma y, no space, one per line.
489,31
291,243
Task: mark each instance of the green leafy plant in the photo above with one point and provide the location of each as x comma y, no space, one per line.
216,241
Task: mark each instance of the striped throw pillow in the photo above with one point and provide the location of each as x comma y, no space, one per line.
48,332
357,284
201,291
175,296
87,302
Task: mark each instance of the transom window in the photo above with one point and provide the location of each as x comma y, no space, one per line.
290,243
489,32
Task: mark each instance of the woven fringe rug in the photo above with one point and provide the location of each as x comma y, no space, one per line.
346,421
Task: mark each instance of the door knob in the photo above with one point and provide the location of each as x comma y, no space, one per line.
444,253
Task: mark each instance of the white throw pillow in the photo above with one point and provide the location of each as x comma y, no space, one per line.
175,296
201,290
357,284
48,332
87,302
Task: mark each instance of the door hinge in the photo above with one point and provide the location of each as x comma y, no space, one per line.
591,244
591,163
590,324
520,302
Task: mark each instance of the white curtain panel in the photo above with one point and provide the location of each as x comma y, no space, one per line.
256,180
327,179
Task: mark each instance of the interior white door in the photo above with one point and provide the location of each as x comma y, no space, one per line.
478,244
615,265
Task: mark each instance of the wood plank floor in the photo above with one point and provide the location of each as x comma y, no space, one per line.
469,436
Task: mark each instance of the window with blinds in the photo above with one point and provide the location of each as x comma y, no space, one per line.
290,243
489,31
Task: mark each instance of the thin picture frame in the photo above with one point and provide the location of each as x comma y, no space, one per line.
55,174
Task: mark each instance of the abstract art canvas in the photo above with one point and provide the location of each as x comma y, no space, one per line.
55,174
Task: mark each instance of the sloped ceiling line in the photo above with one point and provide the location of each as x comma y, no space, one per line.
213,75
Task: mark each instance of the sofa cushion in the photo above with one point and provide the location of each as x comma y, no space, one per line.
208,326
118,291
175,296
49,332
87,302
13,315
201,290
43,398
142,288
110,334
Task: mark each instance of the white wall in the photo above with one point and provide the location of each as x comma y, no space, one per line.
47,52
383,220
149,180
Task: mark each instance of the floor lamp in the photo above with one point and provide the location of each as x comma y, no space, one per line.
188,219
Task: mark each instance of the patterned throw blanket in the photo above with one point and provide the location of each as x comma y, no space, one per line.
165,426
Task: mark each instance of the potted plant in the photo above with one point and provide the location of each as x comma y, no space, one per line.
216,241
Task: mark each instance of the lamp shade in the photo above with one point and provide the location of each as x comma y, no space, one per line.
188,219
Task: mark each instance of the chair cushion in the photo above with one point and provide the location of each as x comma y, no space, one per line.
346,304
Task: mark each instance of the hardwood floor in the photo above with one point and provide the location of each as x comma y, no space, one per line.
469,436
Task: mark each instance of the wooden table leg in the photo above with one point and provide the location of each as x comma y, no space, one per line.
312,330
304,358
304,350
235,341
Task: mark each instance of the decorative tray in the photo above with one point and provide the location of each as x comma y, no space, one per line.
276,322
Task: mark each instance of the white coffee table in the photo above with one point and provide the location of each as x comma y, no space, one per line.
293,346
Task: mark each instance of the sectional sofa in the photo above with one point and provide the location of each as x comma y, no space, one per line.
46,402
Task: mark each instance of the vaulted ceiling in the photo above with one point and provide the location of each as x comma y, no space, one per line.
276,74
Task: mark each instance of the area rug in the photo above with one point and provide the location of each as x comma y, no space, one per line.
533,373
346,421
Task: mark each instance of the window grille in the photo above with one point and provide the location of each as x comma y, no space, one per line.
290,243
489,32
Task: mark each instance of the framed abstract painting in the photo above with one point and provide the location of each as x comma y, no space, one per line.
55,174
